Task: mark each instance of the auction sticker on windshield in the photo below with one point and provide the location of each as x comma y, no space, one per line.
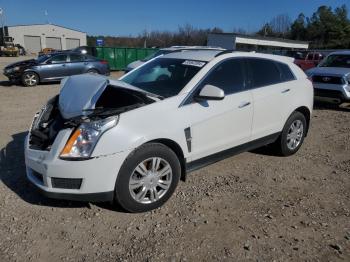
194,63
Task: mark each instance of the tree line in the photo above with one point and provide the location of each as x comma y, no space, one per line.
326,28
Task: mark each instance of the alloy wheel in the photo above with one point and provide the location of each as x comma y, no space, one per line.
30,79
295,134
150,180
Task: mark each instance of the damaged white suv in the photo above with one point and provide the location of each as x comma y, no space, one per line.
132,140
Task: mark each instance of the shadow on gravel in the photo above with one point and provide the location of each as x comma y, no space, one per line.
345,107
5,83
13,175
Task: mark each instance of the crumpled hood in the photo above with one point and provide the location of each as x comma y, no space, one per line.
79,93
29,62
336,71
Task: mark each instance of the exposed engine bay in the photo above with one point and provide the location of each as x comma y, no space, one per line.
114,100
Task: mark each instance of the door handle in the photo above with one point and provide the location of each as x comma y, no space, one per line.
285,91
244,104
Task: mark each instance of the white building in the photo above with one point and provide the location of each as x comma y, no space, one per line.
253,43
34,38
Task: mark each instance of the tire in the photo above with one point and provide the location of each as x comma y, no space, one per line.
290,141
30,79
136,183
92,71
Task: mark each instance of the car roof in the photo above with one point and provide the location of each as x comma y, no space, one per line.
345,52
180,47
200,55
208,55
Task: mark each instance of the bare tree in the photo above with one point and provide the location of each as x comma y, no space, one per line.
280,24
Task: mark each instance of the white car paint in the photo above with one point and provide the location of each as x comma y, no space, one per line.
215,126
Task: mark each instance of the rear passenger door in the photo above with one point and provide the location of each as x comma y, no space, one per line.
77,64
219,125
272,87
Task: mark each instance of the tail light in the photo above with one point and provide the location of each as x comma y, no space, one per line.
105,62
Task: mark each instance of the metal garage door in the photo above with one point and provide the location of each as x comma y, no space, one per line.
54,42
32,44
72,43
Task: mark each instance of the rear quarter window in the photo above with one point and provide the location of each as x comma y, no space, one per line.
263,72
286,73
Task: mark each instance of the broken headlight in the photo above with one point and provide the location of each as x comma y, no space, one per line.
83,141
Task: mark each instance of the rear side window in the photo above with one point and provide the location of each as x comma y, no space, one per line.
263,72
77,58
228,76
58,59
286,73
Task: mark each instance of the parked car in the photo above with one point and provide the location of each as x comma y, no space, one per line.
311,60
131,140
164,51
54,67
331,78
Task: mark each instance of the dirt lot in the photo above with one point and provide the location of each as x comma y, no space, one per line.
253,206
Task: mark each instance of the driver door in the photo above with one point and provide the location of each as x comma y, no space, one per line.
220,125
54,68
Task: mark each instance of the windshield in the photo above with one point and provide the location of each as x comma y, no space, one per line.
165,77
336,61
158,53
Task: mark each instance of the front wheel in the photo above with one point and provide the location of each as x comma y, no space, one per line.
30,79
293,134
147,178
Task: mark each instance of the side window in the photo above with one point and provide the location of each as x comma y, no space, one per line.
309,56
76,58
228,76
286,73
264,72
58,59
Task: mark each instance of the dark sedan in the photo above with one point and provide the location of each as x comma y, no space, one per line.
54,67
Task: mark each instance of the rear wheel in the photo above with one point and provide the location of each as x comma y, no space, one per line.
147,178
292,135
30,79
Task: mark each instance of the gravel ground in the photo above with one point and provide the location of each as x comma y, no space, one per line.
254,206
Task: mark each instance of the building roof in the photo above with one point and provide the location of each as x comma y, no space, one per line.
262,38
48,25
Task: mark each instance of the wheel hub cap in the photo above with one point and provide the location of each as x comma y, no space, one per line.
295,134
150,180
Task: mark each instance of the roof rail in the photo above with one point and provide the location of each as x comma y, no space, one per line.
224,52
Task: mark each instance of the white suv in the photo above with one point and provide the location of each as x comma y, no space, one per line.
132,140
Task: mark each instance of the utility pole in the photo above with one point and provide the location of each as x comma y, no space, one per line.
46,17
2,23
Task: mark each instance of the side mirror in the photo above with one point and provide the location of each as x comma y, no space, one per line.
210,92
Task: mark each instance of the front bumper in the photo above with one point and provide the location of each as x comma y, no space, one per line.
97,176
341,92
15,75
